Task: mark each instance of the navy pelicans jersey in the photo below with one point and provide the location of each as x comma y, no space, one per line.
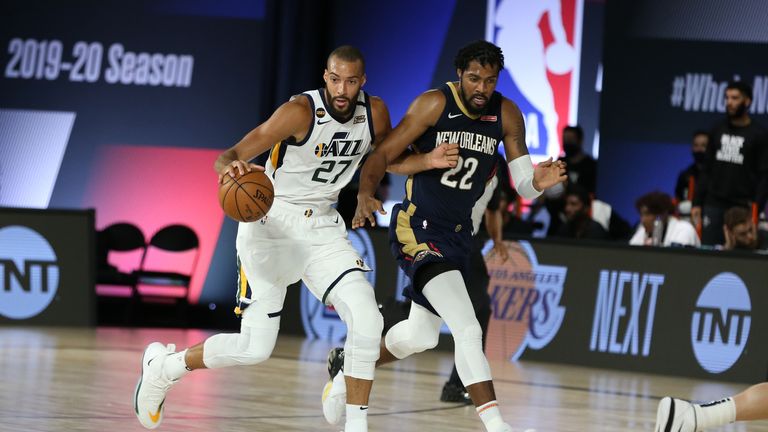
448,195
313,171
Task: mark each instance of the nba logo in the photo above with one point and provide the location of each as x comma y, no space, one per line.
541,41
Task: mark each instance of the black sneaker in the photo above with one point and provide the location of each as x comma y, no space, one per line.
455,393
335,361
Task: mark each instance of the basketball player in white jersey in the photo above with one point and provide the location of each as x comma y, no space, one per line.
322,136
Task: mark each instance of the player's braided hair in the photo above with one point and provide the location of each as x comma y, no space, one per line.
481,51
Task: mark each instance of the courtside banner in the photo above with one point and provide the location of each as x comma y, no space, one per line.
670,311
47,261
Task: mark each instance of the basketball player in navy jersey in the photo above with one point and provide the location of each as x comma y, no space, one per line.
323,135
430,231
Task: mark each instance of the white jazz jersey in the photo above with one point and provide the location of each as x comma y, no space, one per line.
313,171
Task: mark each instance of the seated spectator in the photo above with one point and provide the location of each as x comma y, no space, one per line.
604,214
740,231
512,225
578,221
673,231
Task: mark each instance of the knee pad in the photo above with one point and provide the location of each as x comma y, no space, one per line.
402,340
356,305
249,347
469,335
420,332
471,363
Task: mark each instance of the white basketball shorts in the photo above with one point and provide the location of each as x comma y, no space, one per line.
293,242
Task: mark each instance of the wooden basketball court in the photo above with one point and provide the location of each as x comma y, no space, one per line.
83,380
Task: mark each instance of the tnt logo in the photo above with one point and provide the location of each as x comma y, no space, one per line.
525,300
547,34
720,323
29,273
339,146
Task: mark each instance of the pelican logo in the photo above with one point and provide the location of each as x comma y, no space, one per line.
721,322
525,300
29,272
320,112
321,321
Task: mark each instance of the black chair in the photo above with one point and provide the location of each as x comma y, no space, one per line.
166,268
128,241
119,237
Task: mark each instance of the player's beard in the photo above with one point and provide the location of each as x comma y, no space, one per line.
335,112
468,102
739,112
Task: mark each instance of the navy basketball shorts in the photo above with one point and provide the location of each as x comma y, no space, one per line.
416,241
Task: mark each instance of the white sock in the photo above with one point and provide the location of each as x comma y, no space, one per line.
716,413
175,366
491,416
357,418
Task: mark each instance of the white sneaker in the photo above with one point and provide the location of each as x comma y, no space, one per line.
675,415
335,399
152,386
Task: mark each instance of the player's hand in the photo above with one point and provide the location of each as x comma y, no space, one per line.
499,251
366,205
548,173
238,167
696,215
446,155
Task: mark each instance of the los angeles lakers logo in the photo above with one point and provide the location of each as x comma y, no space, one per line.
525,300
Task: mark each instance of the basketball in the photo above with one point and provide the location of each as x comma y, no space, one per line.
247,197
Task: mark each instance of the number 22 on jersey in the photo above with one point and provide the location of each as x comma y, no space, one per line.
453,178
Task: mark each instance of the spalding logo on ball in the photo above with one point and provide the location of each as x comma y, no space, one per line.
247,197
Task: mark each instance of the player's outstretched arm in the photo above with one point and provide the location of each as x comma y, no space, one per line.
530,182
423,113
291,119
